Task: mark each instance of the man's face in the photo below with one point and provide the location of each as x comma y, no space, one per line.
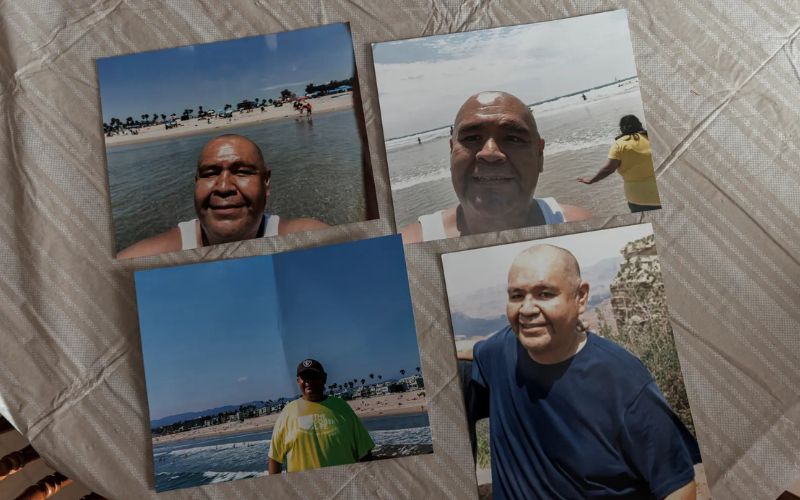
312,385
231,189
545,300
495,155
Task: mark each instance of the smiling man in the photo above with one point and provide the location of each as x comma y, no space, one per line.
317,430
496,156
231,189
573,415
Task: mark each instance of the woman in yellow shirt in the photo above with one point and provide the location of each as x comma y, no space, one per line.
630,157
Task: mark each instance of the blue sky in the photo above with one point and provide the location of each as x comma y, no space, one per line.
348,306
211,333
423,81
214,74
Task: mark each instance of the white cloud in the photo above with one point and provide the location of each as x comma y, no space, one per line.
272,42
472,270
533,62
242,379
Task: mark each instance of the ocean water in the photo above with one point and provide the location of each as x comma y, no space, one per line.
182,464
577,134
316,172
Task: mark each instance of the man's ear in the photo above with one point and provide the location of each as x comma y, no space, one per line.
582,296
267,184
541,155
451,143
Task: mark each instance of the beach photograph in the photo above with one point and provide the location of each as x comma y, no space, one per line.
578,78
232,348
290,95
626,304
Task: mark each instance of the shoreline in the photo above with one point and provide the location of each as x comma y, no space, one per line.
197,126
404,403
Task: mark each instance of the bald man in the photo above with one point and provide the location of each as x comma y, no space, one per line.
231,189
573,415
496,156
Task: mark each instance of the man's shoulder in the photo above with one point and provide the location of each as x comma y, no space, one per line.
443,221
574,213
495,343
290,407
620,360
336,403
412,233
168,241
287,226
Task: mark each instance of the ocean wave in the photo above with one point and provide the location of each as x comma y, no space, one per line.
558,104
412,436
411,140
184,452
221,477
551,148
575,145
442,173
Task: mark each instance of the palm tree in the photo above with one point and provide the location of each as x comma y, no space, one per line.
418,369
402,372
380,377
362,382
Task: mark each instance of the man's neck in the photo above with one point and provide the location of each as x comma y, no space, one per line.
206,241
474,222
557,356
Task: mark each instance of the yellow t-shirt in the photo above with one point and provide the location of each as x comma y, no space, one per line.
636,168
310,435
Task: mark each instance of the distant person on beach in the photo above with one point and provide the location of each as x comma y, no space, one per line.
317,430
496,156
231,188
571,414
631,158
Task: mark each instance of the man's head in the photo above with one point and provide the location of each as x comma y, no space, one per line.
231,189
311,378
495,156
545,299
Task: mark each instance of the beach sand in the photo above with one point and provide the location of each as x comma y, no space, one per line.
198,126
389,404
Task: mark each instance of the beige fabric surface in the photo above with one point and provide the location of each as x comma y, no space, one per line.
719,79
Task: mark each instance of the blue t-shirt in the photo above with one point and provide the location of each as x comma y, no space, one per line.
593,426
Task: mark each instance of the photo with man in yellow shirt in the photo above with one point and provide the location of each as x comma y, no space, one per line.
317,430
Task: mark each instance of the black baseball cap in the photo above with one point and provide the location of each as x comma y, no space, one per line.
310,365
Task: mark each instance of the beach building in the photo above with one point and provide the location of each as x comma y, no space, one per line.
412,383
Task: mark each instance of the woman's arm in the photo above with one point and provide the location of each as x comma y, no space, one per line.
609,168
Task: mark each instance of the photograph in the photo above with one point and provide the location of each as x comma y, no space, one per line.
234,140
281,363
571,380
514,127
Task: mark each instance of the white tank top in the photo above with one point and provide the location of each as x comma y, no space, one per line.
433,224
189,230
